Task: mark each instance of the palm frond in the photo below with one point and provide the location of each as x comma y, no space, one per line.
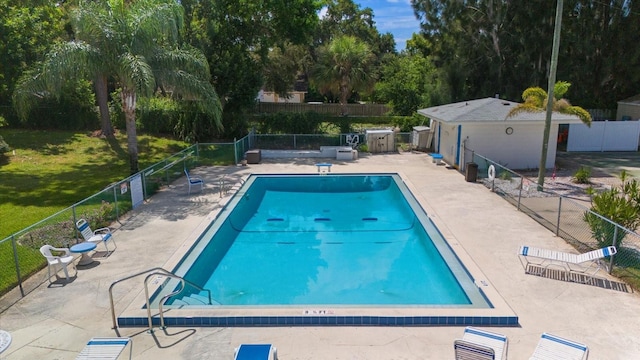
134,72
579,112
29,88
196,89
159,23
66,61
560,89
524,108
535,95
190,60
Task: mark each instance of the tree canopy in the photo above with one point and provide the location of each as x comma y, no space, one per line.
344,66
138,44
493,47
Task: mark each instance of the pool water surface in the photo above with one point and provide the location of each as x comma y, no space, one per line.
342,240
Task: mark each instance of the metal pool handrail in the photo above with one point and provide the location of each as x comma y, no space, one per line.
164,298
164,272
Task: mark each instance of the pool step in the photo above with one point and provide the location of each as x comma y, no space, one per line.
194,299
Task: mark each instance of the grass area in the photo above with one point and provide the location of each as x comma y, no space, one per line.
52,170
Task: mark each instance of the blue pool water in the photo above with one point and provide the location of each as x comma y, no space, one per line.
327,240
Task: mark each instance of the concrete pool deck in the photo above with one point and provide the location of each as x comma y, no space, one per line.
55,322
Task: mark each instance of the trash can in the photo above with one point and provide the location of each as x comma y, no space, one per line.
471,172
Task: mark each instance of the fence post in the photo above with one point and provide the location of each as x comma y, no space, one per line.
235,150
144,185
295,146
197,145
75,219
519,192
115,200
17,263
559,213
614,243
166,171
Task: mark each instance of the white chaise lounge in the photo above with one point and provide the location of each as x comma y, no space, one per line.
588,263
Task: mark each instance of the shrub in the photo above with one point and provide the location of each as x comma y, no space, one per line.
63,233
621,206
4,147
505,175
407,123
290,123
73,110
582,176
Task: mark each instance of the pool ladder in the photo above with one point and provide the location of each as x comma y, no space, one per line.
225,185
151,273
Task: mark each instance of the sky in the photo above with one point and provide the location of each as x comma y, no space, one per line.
394,16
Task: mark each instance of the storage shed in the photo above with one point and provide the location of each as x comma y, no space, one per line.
482,126
379,141
629,109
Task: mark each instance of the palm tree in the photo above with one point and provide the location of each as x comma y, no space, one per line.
344,66
137,44
535,100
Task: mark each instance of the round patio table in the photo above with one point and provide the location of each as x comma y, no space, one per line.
83,248
5,340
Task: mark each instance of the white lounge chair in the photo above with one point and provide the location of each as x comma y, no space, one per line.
102,235
58,262
255,352
586,263
477,344
192,180
105,348
551,347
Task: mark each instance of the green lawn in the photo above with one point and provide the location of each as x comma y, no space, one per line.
52,170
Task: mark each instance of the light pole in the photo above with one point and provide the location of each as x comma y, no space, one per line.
550,87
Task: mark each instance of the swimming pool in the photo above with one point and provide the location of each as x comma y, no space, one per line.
347,240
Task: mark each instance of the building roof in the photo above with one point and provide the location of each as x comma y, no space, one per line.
634,100
489,110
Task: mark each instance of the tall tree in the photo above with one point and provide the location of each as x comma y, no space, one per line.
346,18
236,37
344,66
27,30
493,47
409,82
138,44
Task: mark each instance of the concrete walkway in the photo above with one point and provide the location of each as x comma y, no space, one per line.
55,322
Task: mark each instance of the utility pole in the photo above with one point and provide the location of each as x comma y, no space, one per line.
550,96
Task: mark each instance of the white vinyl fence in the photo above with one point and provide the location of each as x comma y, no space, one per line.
604,136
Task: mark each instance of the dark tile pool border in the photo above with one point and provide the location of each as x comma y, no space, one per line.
259,321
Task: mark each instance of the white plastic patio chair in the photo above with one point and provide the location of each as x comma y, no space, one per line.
192,181
101,235
551,347
105,348
480,344
58,262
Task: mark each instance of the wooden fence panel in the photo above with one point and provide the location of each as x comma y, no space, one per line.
330,109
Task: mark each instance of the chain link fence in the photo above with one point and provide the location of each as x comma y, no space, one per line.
314,141
20,251
565,215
